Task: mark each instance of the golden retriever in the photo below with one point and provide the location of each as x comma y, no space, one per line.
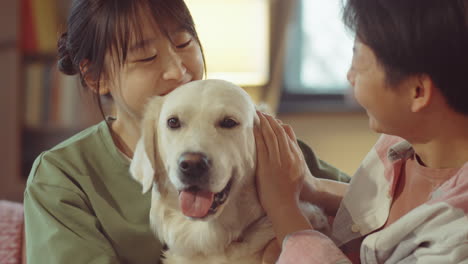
197,154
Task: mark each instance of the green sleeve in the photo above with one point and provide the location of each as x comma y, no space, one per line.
60,226
319,168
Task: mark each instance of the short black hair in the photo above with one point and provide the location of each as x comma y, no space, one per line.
417,37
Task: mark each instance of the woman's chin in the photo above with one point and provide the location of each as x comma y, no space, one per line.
373,125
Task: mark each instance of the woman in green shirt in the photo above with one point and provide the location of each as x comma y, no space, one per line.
81,205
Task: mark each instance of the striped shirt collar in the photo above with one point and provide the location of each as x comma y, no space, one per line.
401,150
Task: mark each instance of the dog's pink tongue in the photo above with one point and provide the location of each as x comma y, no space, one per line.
195,204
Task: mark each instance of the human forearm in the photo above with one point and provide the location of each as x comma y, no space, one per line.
287,219
326,194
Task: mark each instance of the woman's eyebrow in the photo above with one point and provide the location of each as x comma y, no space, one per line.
180,29
173,29
141,44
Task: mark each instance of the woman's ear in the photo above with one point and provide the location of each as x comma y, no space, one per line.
101,89
422,92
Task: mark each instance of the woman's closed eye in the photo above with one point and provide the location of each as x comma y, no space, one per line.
181,39
143,51
185,44
148,59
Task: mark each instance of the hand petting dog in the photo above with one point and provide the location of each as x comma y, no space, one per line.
280,175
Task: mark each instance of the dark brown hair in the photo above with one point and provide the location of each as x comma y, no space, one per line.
98,27
417,37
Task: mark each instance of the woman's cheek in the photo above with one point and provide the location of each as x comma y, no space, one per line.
358,93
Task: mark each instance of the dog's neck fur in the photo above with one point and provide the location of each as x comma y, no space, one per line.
212,237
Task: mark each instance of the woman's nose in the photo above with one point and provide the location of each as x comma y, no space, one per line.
350,76
175,69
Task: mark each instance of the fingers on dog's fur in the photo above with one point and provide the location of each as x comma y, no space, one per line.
257,119
259,141
269,136
288,129
281,136
264,108
292,140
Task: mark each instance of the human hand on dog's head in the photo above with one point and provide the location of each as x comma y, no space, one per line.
280,164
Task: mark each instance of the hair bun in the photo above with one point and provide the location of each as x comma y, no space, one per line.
65,63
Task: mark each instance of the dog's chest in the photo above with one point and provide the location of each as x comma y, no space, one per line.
255,258
246,250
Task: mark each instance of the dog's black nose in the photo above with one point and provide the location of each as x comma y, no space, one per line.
194,164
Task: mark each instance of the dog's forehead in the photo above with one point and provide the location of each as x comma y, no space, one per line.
208,94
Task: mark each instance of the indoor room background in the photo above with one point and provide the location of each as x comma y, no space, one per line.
290,54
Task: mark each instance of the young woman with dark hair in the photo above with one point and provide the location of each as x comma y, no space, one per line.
81,205
408,201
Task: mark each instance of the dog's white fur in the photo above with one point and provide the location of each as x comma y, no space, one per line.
239,230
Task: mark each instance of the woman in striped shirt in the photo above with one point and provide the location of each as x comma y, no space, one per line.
408,201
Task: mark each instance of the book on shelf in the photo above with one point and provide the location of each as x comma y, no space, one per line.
40,26
28,33
52,99
33,94
70,100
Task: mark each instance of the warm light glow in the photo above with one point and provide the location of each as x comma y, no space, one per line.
235,38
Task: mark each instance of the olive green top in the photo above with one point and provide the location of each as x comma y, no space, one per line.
82,206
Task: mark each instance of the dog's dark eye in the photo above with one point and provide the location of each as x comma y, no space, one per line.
173,122
228,123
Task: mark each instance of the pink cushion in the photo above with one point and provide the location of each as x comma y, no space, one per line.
11,231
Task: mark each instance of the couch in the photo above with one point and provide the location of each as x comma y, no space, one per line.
12,244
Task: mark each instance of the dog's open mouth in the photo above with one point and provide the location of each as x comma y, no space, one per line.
197,203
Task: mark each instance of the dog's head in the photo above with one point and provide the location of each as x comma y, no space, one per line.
197,147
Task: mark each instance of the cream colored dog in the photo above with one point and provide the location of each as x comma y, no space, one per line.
197,153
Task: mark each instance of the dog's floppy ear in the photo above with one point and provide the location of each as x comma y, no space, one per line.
146,165
141,168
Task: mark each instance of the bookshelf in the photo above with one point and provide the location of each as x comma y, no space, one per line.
9,133
39,107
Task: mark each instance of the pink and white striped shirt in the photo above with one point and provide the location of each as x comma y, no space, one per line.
433,233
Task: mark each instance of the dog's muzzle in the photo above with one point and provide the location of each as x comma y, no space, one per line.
196,200
194,167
